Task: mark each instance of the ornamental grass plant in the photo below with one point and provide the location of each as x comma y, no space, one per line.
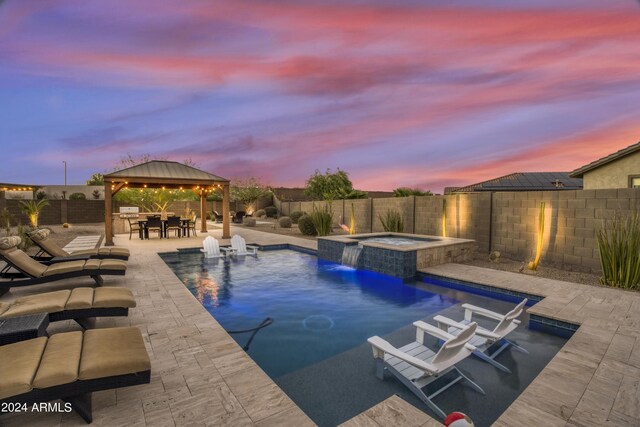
619,249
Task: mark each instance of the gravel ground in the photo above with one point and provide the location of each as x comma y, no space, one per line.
516,266
273,228
62,236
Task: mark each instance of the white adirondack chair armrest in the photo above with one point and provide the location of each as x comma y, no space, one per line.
433,331
387,348
226,249
483,312
479,331
253,247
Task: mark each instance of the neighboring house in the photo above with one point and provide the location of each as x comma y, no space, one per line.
618,170
523,181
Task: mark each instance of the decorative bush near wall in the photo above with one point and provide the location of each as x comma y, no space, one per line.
77,196
285,222
619,249
305,224
295,216
392,221
271,211
249,221
260,213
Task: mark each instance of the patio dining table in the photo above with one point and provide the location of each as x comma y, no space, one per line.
143,231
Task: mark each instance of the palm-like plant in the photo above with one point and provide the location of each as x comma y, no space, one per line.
32,209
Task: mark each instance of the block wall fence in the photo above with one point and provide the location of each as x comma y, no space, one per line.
92,211
502,221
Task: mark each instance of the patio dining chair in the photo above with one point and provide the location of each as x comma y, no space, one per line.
154,223
133,226
173,223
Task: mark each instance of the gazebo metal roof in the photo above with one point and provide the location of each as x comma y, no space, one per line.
164,172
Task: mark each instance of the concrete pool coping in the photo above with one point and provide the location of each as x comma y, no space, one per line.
200,375
435,242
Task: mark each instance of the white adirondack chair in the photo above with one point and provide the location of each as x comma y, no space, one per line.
211,248
416,366
485,338
240,247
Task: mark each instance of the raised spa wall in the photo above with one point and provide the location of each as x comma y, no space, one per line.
398,261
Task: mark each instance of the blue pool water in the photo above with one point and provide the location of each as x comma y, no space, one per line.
320,309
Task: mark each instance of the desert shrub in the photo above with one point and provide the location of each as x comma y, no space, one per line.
305,224
260,213
95,194
271,211
285,222
77,196
619,248
295,216
392,221
41,195
249,221
322,219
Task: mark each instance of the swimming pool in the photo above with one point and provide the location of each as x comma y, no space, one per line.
319,309
323,313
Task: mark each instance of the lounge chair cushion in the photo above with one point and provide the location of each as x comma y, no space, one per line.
76,299
113,297
9,242
105,264
80,298
24,261
114,251
40,234
18,365
50,302
103,252
111,352
64,267
60,360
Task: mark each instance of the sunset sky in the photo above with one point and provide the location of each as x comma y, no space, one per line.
397,93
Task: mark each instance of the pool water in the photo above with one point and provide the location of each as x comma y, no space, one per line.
319,309
396,241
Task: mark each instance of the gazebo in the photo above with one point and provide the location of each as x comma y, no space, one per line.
165,175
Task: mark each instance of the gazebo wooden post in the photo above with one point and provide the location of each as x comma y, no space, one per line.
226,229
203,211
108,221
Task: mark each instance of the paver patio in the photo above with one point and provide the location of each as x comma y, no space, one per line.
200,376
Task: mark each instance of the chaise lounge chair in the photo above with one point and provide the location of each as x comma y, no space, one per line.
72,365
416,366
485,339
80,304
41,239
240,247
217,217
36,273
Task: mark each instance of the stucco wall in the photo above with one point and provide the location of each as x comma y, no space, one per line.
614,174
